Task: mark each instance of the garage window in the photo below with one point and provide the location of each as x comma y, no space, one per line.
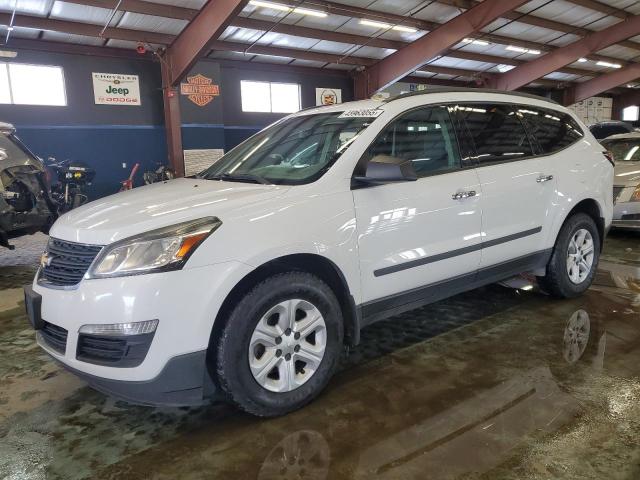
270,97
23,84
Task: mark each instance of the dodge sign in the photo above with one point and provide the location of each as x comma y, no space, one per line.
116,89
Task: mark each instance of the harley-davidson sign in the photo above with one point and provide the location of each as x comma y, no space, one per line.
200,89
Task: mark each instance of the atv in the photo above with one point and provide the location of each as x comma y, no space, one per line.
26,206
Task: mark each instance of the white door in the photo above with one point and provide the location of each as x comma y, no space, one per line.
516,190
417,234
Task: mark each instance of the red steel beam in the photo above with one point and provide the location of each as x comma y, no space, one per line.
289,52
602,83
172,122
436,42
561,57
79,28
144,7
193,42
65,47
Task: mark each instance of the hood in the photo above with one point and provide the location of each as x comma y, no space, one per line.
627,173
158,205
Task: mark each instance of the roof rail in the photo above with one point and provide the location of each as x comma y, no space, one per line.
439,89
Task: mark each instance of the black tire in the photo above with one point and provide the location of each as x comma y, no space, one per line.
556,282
232,363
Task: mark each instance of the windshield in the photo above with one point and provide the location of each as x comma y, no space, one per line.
624,150
292,152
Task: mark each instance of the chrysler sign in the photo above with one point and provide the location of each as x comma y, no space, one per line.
116,89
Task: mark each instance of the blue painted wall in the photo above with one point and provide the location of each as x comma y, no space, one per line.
104,147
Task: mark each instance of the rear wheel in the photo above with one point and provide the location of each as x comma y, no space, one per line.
574,261
280,345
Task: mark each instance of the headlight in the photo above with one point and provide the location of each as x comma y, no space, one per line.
635,196
155,251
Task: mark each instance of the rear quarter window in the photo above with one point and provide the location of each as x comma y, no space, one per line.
552,131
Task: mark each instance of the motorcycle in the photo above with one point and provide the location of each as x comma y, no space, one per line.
25,204
73,178
160,174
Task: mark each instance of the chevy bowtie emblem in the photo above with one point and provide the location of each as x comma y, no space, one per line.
45,260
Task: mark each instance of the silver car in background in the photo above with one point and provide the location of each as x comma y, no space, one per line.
625,149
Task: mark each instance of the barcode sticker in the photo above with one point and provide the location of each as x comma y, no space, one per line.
361,112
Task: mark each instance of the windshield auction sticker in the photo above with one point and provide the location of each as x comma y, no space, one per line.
361,112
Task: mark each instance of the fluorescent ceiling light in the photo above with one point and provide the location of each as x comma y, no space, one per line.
371,23
582,60
401,28
513,48
505,68
274,6
312,13
475,42
608,64
386,26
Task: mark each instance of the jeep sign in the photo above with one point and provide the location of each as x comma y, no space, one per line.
116,89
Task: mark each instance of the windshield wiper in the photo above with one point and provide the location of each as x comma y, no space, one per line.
240,177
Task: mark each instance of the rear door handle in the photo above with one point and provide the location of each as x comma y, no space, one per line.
461,195
544,178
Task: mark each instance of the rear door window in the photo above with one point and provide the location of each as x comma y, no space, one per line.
496,132
552,131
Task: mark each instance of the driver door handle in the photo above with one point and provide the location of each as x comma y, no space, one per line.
544,178
461,195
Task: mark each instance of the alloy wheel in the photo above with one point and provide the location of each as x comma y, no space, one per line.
287,345
580,256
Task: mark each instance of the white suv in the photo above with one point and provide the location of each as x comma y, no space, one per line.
244,282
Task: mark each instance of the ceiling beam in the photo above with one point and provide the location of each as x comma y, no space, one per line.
144,7
183,13
561,57
165,39
79,28
299,54
408,59
193,41
76,49
318,34
605,82
296,53
537,21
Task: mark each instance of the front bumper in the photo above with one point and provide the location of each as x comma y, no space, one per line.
185,303
183,381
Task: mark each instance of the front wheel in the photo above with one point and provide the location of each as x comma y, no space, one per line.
280,345
574,261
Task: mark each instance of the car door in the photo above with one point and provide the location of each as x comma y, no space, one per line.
421,233
516,188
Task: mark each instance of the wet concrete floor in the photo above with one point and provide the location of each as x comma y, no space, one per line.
492,384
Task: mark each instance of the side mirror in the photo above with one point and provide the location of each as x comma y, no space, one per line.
383,169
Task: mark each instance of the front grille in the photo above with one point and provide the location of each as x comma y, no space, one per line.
55,337
631,216
120,351
68,261
616,193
